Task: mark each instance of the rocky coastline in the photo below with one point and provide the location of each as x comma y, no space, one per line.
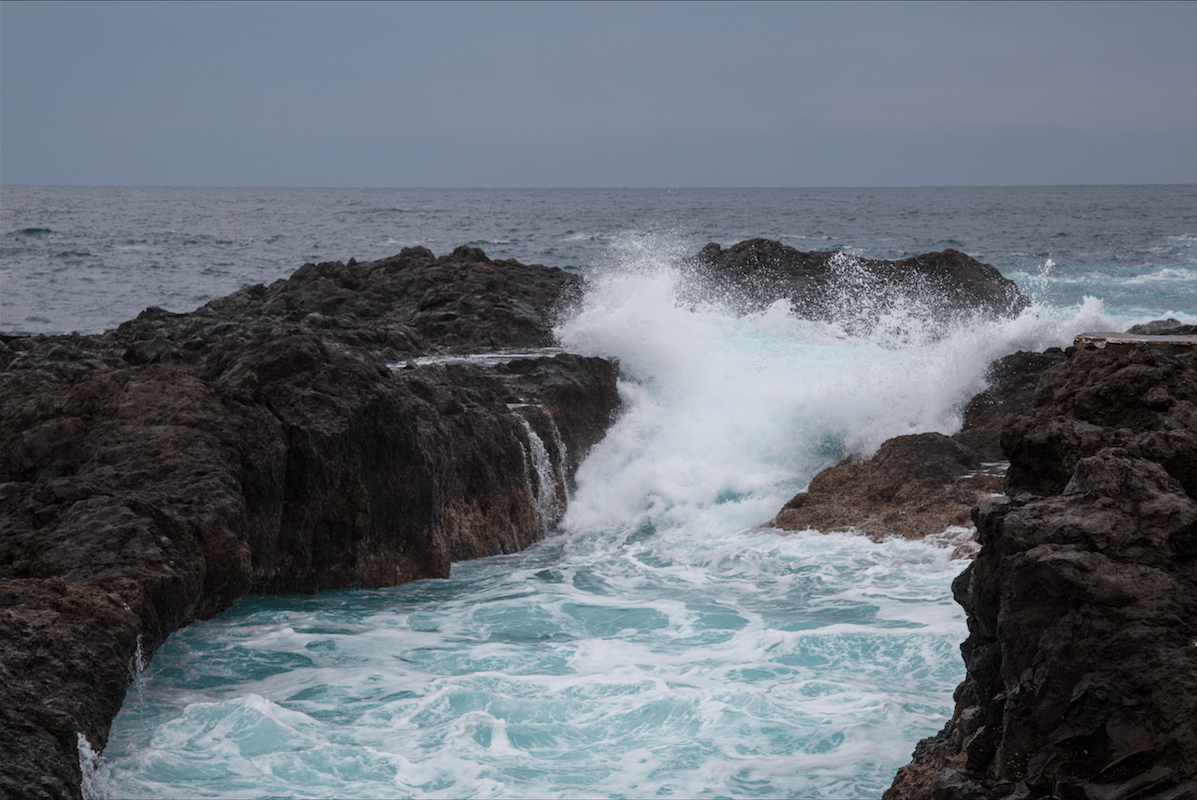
333,429
1082,602
368,424
1076,473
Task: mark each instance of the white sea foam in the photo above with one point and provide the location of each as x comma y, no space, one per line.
740,411
755,665
664,644
1185,275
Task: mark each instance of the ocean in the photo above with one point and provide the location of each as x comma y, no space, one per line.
663,641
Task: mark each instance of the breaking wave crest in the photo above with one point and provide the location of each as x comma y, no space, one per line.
741,410
664,642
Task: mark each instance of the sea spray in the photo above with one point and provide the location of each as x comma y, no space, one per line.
665,643
727,415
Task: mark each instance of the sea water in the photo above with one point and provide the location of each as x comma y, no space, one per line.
662,641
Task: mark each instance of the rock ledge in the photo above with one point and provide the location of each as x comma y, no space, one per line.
1082,603
152,475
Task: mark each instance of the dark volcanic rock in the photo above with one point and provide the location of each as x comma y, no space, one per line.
414,302
913,486
1141,398
1164,327
1082,603
919,485
407,305
1010,394
854,292
151,475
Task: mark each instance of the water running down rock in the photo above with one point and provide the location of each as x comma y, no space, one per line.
155,473
302,387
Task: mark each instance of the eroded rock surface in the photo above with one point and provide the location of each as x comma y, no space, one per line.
290,438
1082,603
1139,398
913,486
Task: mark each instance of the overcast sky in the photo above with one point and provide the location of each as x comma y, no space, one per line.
607,94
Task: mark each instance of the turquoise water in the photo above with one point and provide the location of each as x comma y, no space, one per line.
603,665
662,641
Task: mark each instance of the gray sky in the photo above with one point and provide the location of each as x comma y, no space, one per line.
609,94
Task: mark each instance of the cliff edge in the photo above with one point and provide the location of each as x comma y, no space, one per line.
333,429
1082,602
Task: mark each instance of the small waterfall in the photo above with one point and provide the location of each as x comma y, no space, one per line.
545,482
559,446
89,766
137,666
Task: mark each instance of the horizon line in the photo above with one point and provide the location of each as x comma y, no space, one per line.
574,188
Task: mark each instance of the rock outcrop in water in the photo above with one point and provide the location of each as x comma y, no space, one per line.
857,293
1082,603
920,484
325,431
914,484
329,430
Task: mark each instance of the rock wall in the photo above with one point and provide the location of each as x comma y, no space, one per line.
323,432
1082,603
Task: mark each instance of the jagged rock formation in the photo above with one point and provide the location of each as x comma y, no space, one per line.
857,293
1082,603
1139,398
330,430
919,485
321,432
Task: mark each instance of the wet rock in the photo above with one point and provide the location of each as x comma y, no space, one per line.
853,292
152,475
914,486
1164,327
920,485
1082,603
1010,394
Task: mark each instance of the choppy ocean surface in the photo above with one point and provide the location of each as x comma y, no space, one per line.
661,643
